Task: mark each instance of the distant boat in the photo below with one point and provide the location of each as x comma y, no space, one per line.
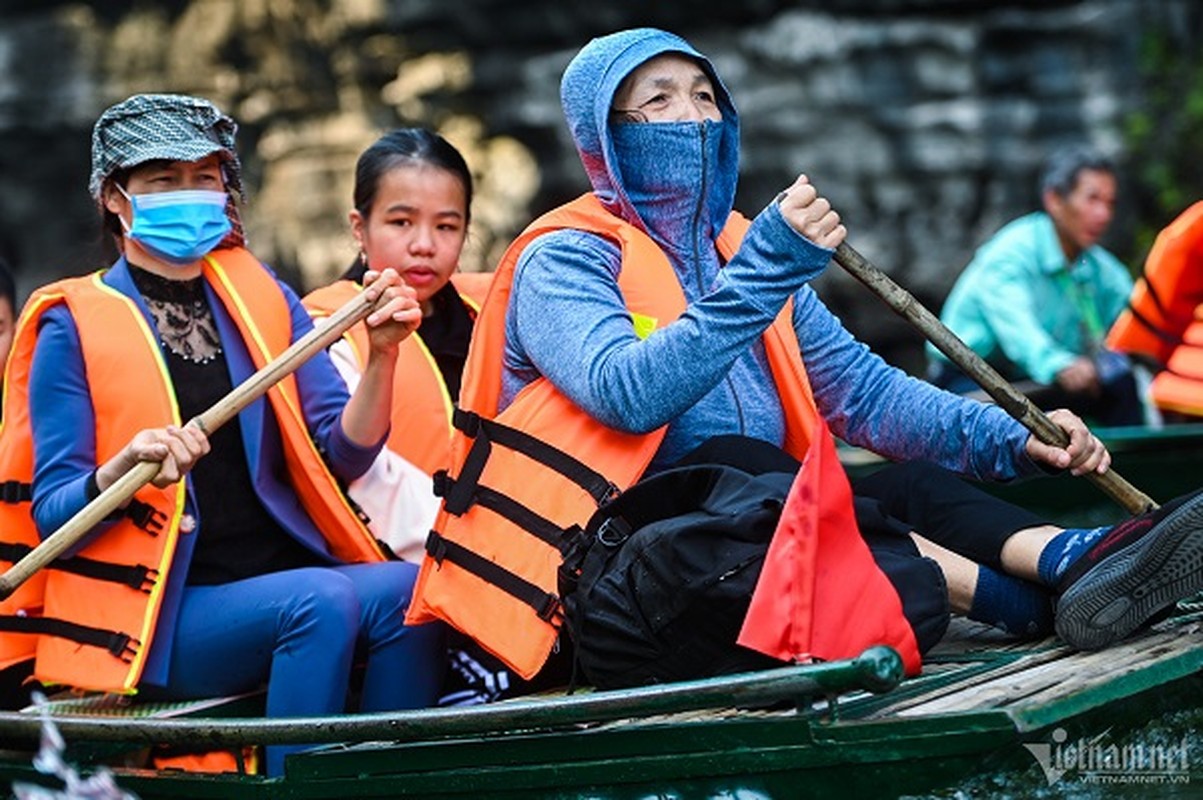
1162,462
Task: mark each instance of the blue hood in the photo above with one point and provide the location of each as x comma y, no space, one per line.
587,91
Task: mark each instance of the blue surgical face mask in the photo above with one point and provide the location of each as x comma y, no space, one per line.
181,226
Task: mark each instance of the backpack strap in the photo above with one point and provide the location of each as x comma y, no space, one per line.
666,494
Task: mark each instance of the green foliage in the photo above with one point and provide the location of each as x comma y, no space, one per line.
1164,132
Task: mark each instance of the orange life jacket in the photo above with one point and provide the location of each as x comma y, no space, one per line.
492,561
421,416
245,760
91,618
1164,318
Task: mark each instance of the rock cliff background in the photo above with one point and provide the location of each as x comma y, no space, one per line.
923,120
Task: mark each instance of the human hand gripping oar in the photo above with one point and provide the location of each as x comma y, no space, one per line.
1007,396
324,333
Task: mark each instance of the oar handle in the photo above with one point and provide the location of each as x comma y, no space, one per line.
1007,396
324,333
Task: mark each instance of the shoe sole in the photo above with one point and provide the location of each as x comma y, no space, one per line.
1128,588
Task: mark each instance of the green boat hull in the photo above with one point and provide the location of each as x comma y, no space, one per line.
979,703
981,706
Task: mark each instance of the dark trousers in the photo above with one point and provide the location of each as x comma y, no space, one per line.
891,503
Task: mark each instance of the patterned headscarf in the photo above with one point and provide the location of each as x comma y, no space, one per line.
175,127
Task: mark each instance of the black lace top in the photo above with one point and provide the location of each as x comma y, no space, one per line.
182,315
238,537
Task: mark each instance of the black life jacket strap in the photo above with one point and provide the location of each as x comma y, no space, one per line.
485,432
524,517
137,576
1162,309
1153,328
15,492
122,645
1154,295
546,605
144,515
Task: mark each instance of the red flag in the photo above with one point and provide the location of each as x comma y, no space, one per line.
820,594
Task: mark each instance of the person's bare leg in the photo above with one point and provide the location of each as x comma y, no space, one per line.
960,574
1021,552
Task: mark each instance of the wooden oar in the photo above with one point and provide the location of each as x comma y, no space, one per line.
1007,396
324,333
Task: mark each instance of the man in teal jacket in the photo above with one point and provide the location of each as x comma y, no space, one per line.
1038,298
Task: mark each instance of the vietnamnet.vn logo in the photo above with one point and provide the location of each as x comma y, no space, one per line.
1099,760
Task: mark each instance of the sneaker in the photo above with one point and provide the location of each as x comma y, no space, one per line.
1140,568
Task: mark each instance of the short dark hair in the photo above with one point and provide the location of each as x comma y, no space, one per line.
1064,165
110,222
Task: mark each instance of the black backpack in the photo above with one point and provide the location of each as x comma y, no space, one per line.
657,585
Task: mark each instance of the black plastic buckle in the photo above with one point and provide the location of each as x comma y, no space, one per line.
436,547
150,577
146,516
612,493
551,609
467,422
443,483
120,646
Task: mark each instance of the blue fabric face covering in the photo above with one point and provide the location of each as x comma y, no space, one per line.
181,226
667,169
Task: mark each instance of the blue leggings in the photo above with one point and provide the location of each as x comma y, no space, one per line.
298,630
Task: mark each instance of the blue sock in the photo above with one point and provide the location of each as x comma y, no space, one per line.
1064,550
1012,604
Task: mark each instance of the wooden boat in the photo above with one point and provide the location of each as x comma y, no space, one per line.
983,703
1163,462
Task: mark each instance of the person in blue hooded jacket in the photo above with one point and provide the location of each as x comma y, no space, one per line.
658,135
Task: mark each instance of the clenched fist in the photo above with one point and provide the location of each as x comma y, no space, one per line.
810,214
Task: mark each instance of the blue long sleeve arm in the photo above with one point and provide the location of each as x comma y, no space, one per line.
592,353
64,431
874,405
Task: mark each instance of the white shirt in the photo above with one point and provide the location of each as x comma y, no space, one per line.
397,496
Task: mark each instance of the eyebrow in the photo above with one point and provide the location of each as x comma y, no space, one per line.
402,207
665,82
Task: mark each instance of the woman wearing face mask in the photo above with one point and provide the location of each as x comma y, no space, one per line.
645,324
412,206
241,564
